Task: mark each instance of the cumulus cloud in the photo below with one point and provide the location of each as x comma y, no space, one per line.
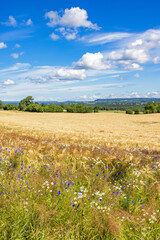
92,61
70,21
153,95
69,74
29,22
51,74
54,36
134,50
2,45
156,60
72,18
134,95
138,55
17,55
132,66
9,82
10,22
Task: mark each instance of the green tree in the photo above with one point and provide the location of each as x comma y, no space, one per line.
96,109
71,108
59,109
137,111
51,107
7,107
34,108
25,102
129,111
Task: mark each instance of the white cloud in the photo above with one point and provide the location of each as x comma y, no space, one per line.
138,42
2,45
17,55
18,67
69,74
54,18
103,38
156,60
70,21
11,22
29,22
92,61
52,74
54,36
132,66
69,34
17,45
138,55
134,95
9,82
153,95
76,17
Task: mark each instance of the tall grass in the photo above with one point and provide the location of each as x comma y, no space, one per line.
51,189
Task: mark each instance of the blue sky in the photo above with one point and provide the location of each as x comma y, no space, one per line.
79,50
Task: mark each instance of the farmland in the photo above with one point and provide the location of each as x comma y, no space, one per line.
79,176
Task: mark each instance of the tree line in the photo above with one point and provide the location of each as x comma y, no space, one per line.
149,108
28,105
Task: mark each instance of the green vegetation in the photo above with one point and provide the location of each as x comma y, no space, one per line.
78,108
130,106
152,108
129,112
55,189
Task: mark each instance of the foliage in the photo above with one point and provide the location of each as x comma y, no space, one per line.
129,111
78,108
34,108
25,102
137,111
96,108
10,107
152,108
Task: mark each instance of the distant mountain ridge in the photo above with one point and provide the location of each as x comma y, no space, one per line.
105,100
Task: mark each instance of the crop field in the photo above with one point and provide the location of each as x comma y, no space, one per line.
79,176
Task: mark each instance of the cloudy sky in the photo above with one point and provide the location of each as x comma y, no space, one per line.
79,50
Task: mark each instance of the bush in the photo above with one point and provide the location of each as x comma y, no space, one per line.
59,109
10,107
137,111
51,107
129,112
34,108
96,109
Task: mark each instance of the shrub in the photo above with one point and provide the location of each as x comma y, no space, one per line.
96,109
34,108
137,111
129,112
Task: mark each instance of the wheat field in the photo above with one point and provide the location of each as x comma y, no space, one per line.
105,127
79,176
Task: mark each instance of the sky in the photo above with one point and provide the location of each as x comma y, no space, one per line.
79,50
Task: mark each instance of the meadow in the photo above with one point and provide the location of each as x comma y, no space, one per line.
79,176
